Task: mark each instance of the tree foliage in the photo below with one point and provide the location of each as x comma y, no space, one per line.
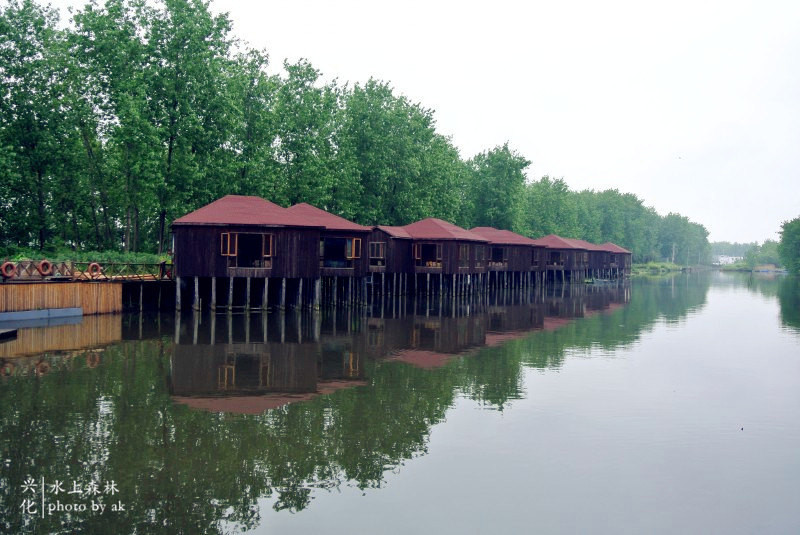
139,111
789,246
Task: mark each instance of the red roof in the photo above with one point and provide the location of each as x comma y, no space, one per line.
318,217
555,242
436,229
614,248
505,237
583,244
242,210
395,232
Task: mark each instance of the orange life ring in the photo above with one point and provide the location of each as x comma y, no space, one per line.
94,269
8,270
42,368
92,360
45,268
8,369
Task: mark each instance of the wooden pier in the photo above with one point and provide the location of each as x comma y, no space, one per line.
92,297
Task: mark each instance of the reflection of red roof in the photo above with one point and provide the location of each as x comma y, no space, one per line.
395,232
436,229
496,339
242,210
553,323
422,359
260,403
504,237
614,248
316,216
554,242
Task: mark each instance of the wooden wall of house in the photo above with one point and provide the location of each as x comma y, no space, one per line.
399,255
519,257
581,259
539,256
451,261
598,260
197,250
360,265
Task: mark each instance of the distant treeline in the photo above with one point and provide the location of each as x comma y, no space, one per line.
141,111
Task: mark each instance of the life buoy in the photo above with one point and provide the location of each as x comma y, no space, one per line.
45,268
8,270
92,360
8,369
94,269
42,368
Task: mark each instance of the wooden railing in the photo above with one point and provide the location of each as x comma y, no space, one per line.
34,271
121,271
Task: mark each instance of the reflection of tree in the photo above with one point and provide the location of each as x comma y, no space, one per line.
180,470
789,299
785,287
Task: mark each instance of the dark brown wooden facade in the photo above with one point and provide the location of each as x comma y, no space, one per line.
343,245
443,248
245,251
449,257
390,251
319,257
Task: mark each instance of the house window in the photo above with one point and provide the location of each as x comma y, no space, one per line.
335,252
229,244
480,255
247,249
463,256
266,246
377,254
377,250
353,248
427,255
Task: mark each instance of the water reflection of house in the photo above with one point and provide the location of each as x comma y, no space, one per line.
510,322
253,377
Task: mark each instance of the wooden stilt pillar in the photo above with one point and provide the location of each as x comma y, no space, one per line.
230,293
265,294
364,291
177,295
141,297
213,293
247,294
299,301
283,298
335,291
349,291
213,329
316,293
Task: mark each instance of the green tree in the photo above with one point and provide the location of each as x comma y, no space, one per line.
497,183
33,130
789,246
549,208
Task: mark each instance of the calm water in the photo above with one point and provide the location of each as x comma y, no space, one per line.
664,406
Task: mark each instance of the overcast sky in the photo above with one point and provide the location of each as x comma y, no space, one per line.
692,106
